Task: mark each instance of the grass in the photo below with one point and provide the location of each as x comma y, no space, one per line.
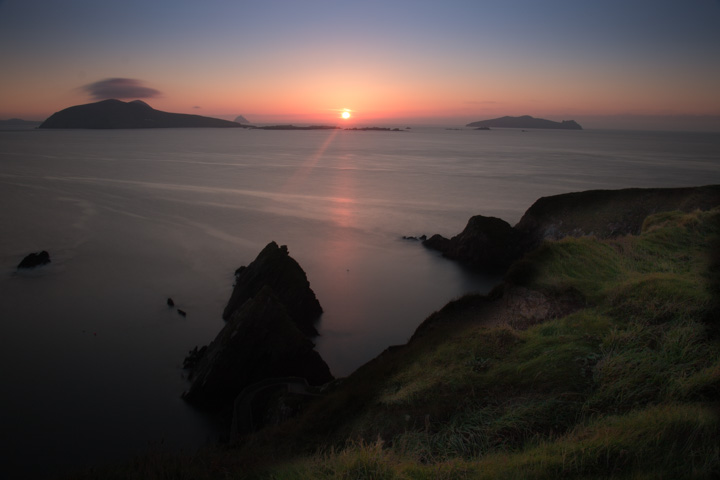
625,387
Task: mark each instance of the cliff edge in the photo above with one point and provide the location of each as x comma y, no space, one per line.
491,244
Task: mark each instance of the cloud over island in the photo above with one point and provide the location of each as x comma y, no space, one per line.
119,88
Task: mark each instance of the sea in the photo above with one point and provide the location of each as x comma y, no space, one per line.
91,354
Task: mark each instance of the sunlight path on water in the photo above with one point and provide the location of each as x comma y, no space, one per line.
300,175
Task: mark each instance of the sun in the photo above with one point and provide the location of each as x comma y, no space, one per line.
345,114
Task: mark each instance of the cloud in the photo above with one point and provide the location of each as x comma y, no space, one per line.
119,88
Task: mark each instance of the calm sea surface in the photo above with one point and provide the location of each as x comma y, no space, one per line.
91,355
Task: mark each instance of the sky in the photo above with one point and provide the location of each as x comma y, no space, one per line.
638,63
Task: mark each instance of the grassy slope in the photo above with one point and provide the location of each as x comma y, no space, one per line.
624,386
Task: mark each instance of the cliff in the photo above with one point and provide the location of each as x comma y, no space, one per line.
114,114
526,121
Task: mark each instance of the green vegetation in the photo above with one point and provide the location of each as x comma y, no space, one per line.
625,385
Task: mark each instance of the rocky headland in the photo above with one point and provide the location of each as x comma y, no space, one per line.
568,371
116,114
491,244
526,121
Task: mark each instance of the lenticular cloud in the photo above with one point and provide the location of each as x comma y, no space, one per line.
119,88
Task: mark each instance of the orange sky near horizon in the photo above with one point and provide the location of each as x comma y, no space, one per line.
454,62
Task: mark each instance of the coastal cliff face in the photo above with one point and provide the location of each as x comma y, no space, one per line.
608,213
271,309
487,244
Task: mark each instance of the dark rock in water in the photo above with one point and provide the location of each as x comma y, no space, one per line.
259,341
170,302
274,268
182,313
438,242
35,260
194,356
487,243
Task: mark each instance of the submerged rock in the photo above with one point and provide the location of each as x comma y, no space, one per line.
35,260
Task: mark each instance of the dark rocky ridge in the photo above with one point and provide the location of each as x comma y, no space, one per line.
526,121
275,268
259,341
490,244
487,242
115,114
270,317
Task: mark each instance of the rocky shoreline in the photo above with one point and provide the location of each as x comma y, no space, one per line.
272,310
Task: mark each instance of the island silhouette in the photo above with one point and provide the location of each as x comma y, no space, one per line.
526,121
113,114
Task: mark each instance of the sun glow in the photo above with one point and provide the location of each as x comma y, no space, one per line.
345,114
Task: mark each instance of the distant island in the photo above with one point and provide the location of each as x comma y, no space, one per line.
19,123
526,121
294,127
374,129
112,114
241,119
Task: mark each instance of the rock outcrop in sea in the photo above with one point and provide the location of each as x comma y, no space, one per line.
490,244
271,305
33,260
275,268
